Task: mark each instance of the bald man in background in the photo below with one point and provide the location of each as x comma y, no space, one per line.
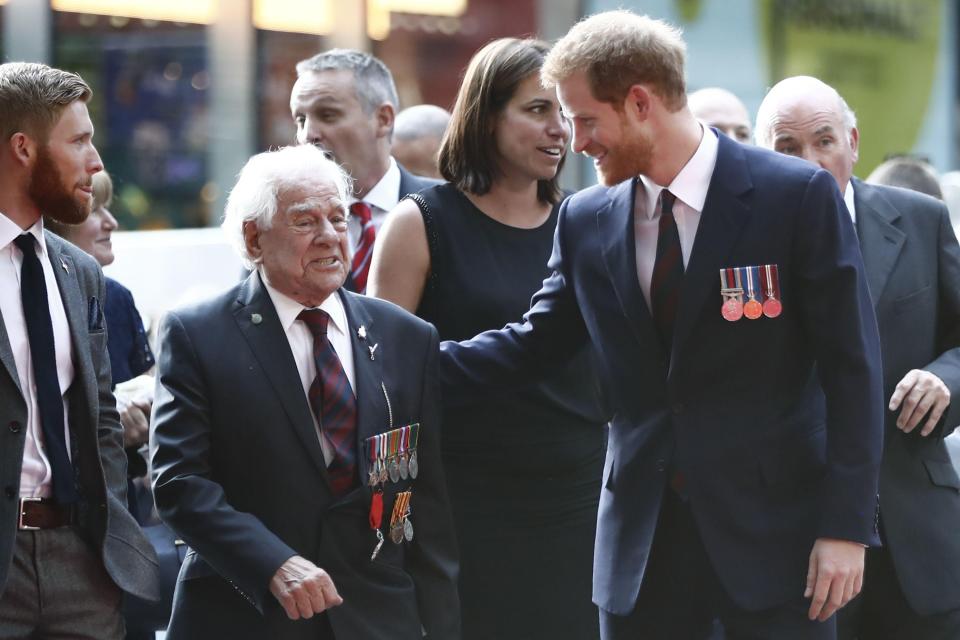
911,587
718,108
417,134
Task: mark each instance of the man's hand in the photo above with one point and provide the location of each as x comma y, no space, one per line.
834,576
303,589
919,392
135,420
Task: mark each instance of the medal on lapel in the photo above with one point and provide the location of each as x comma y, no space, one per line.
401,510
752,308
732,292
414,464
772,307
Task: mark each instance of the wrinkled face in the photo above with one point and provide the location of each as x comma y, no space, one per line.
620,149
811,127
328,114
530,133
305,253
93,235
61,180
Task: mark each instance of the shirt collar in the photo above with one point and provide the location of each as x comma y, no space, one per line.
385,194
691,184
288,309
848,200
9,230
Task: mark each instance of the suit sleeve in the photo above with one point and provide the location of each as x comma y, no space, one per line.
551,333
237,545
109,432
947,365
842,329
432,561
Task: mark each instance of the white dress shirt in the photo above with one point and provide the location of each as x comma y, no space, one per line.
690,187
301,344
848,200
36,473
381,199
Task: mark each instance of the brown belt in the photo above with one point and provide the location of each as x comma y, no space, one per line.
43,513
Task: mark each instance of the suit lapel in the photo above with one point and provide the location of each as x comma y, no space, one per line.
721,222
615,223
372,414
880,239
76,309
257,319
6,356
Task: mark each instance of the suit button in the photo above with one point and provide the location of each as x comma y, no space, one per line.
15,426
677,408
661,465
10,492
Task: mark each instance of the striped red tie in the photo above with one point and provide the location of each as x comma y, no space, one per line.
333,403
364,250
667,272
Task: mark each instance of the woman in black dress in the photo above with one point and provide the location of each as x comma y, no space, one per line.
523,467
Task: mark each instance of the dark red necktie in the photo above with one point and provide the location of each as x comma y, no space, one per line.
667,272
333,403
364,250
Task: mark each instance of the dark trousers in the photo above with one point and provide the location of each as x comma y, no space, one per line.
57,588
881,611
681,597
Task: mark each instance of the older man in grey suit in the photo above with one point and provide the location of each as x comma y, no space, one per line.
911,587
68,547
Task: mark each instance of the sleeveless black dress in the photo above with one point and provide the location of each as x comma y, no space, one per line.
523,468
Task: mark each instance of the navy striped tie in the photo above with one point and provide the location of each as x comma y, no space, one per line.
333,403
667,272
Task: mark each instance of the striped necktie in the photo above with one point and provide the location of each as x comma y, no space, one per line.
332,401
667,272
364,249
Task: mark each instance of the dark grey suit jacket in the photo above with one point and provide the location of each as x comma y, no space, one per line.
95,432
239,474
912,262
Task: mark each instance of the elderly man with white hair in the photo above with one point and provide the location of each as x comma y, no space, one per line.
295,435
912,260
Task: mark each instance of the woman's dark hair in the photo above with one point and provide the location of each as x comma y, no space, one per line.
468,153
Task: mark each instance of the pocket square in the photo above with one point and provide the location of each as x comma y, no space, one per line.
94,315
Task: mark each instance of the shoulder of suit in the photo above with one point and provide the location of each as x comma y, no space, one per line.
412,183
906,201
385,311
211,308
81,259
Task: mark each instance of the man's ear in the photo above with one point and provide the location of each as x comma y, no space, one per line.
855,144
23,149
385,115
251,238
638,102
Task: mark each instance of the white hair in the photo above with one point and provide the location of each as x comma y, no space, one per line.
765,114
254,197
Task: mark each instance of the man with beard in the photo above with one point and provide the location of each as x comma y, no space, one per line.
68,546
734,488
345,102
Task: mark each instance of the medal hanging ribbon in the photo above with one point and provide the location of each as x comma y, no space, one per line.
732,292
752,308
770,278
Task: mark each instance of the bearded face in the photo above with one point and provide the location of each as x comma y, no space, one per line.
50,191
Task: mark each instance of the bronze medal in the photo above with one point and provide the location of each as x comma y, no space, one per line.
396,533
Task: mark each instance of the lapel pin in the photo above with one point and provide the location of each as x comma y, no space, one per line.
372,349
63,263
256,318
362,332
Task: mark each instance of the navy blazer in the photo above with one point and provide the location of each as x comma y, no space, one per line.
771,462
239,474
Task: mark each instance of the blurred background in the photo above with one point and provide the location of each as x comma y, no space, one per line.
186,90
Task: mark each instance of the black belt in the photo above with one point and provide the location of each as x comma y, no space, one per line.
43,513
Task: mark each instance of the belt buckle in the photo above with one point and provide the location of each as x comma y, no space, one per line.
20,524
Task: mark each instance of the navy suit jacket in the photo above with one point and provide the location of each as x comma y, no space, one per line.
913,267
771,463
239,474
